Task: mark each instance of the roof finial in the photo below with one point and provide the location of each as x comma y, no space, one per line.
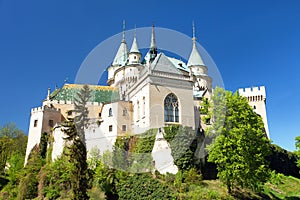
194,34
123,30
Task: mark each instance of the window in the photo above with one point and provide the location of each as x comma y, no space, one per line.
171,110
35,123
99,114
138,110
110,112
124,128
254,107
69,112
124,112
50,123
144,103
110,128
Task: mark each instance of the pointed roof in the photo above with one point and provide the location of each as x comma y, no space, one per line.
153,42
163,64
195,58
121,56
134,46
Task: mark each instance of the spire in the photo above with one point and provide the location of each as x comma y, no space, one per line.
195,58
134,47
153,42
123,34
153,49
121,56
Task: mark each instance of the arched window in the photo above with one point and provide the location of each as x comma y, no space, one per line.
171,109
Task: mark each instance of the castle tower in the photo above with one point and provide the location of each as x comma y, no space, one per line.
120,58
42,119
256,97
134,56
198,69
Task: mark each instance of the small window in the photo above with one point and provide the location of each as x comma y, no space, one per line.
51,123
134,57
254,107
110,128
124,128
110,112
99,114
35,123
69,112
124,112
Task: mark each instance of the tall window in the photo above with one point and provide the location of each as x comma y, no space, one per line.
144,106
110,113
138,110
171,109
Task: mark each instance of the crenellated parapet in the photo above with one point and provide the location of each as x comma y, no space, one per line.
253,94
44,108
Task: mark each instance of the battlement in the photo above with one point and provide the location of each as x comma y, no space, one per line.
253,91
44,108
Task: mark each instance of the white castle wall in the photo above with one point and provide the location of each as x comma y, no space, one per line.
256,97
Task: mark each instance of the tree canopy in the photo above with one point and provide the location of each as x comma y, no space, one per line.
240,145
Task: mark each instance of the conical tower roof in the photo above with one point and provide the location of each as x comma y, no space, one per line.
195,58
134,46
121,56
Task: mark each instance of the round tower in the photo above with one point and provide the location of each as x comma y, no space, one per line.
134,56
198,69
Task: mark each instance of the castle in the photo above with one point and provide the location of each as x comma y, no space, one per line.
142,93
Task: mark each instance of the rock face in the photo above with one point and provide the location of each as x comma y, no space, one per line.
161,154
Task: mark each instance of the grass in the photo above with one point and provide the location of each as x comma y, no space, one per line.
283,187
279,187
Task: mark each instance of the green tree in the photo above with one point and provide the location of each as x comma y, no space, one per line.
76,152
12,141
298,150
240,145
75,131
81,110
28,184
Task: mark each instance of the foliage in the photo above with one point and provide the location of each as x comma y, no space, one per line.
240,147
204,106
143,186
183,143
28,185
77,156
44,144
281,157
12,141
81,110
55,178
298,151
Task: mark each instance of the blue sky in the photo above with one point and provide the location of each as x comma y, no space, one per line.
252,42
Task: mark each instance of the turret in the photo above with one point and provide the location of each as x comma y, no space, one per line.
134,56
198,69
119,60
121,56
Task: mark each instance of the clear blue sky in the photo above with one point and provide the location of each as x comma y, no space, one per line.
252,42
